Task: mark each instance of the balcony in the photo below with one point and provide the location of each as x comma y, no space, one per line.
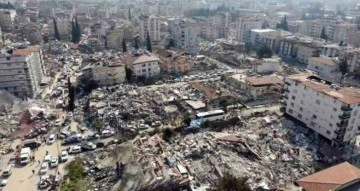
285,96
346,108
340,131
339,138
342,124
345,116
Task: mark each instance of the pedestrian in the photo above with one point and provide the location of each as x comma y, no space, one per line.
33,171
39,161
47,152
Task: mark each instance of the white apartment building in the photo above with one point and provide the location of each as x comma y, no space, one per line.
267,65
244,27
7,18
105,74
152,26
146,65
325,67
263,36
185,35
21,71
327,109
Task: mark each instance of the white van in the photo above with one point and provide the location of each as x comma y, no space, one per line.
107,133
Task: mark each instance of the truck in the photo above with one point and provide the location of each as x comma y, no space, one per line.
25,155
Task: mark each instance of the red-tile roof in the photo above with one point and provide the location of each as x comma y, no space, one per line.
26,51
132,59
331,178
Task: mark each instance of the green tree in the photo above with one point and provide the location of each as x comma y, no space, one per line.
124,49
75,31
264,52
344,69
148,42
231,183
283,24
136,43
98,124
323,34
56,30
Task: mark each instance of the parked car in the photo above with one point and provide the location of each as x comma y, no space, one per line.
47,158
92,137
75,149
107,133
100,144
73,139
88,146
51,139
54,162
44,168
32,143
8,171
3,182
64,156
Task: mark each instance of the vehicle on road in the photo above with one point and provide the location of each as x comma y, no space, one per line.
73,139
86,146
64,156
31,143
51,139
3,182
44,182
25,155
92,137
8,171
54,162
44,168
107,133
47,158
75,149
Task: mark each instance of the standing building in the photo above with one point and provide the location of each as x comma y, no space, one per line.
185,35
244,27
353,60
7,18
329,110
146,65
21,71
150,25
325,67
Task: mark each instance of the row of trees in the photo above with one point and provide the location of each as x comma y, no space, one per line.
75,31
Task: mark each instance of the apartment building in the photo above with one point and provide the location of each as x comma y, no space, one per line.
327,68
7,18
64,28
105,73
353,60
245,25
21,71
146,64
151,25
185,34
329,110
258,37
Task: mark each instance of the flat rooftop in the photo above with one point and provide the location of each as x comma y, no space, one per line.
348,95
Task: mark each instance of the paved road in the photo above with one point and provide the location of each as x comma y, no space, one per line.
22,177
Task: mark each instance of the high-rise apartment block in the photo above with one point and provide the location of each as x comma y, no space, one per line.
21,71
328,109
245,25
151,25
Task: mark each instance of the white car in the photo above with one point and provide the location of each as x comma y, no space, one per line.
54,162
75,149
47,158
64,156
44,168
51,139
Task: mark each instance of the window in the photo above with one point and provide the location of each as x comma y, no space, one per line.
355,113
8,58
330,124
19,72
292,104
312,124
335,109
314,117
8,64
352,121
143,70
302,101
318,102
301,109
299,116
290,111
296,84
328,132
293,97
143,65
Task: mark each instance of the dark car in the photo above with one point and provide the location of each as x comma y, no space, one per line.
32,143
100,144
